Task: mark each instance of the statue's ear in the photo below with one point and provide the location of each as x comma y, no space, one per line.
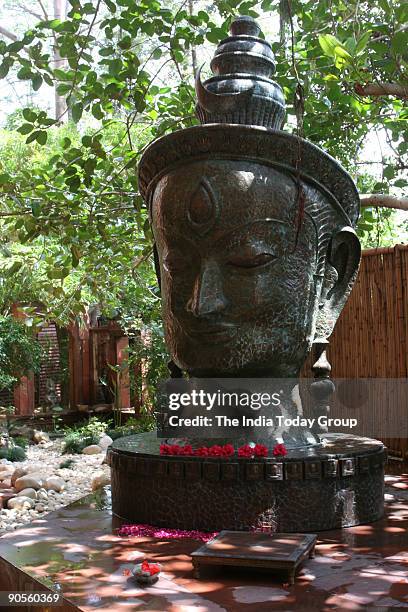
343,259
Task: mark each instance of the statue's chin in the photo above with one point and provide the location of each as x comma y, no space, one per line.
250,371
254,352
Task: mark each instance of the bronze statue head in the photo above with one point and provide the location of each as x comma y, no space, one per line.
253,226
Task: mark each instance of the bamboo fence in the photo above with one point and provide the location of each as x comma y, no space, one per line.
371,337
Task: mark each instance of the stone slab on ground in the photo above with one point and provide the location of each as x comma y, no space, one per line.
359,568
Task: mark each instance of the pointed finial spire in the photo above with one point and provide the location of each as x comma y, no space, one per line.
241,90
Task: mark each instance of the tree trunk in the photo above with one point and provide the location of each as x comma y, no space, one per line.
193,51
59,62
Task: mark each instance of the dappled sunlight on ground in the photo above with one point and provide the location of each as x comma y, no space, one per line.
354,569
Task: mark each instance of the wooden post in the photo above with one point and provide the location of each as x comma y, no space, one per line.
75,370
84,334
24,395
122,346
24,392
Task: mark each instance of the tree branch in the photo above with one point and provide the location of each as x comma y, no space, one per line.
382,89
43,10
27,10
385,201
8,34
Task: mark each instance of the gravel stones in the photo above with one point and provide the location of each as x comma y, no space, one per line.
54,488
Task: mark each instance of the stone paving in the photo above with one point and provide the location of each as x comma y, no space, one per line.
359,568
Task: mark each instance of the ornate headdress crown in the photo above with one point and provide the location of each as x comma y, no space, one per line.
242,111
241,90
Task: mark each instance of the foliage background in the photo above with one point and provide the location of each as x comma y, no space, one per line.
103,78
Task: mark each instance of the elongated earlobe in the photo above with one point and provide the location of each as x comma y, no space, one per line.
343,259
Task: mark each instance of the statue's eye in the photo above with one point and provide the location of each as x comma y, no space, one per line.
250,260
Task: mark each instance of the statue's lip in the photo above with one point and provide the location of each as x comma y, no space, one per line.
214,332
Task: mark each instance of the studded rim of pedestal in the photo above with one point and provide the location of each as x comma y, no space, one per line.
242,469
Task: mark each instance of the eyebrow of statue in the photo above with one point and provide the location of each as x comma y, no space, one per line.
252,222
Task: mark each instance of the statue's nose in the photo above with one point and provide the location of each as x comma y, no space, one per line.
208,296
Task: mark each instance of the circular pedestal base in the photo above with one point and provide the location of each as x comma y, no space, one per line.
339,483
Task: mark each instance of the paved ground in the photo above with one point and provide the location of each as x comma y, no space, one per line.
359,568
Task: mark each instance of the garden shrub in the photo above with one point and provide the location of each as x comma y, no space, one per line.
133,426
21,441
13,453
82,435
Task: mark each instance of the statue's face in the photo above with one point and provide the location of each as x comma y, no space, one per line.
239,290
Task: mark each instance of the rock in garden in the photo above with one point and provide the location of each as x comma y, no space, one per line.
93,449
32,493
40,507
40,436
105,441
5,496
100,480
6,475
20,503
27,482
55,483
34,467
18,473
22,431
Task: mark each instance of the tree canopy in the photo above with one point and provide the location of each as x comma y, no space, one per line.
73,226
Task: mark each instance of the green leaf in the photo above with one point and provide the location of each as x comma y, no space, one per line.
125,43
76,256
4,68
29,115
77,110
58,273
340,51
39,135
384,5
389,172
97,111
15,47
26,128
63,88
36,209
399,42
32,137
42,137
203,16
115,66
24,73
106,51
362,42
4,178
214,35
15,267
328,43
36,82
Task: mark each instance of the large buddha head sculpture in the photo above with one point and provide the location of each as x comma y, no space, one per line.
254,235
